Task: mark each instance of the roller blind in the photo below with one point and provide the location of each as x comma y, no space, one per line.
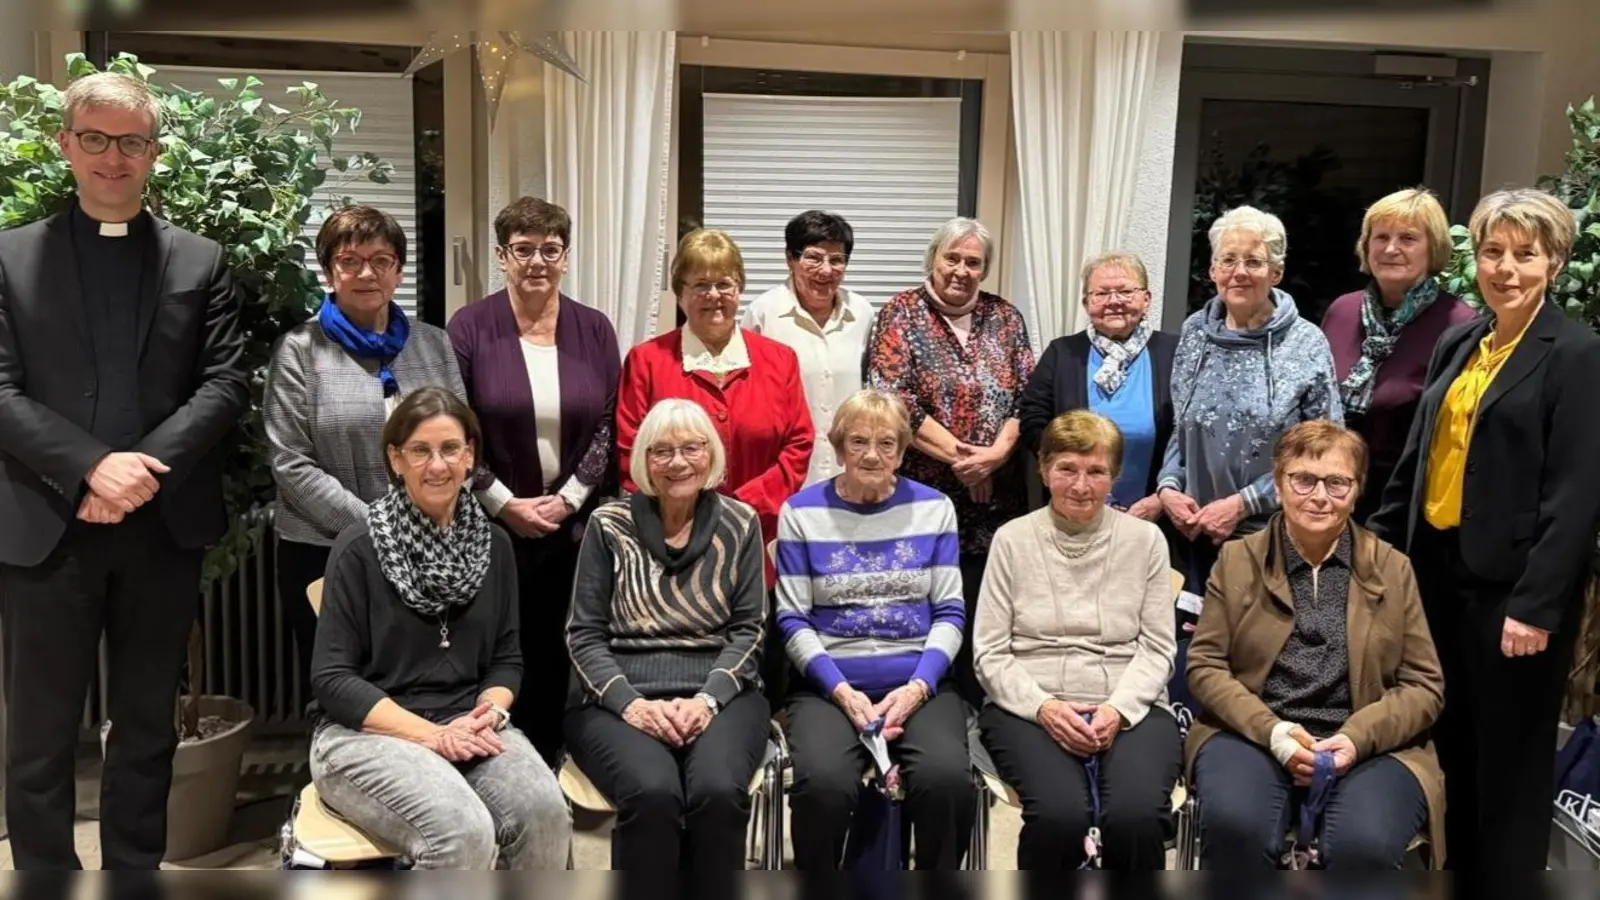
386,129
889,166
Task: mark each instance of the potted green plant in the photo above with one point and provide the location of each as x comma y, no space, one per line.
247,171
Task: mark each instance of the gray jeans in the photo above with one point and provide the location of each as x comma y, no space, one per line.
444,815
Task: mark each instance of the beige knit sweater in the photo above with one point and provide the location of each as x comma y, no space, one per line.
1090,628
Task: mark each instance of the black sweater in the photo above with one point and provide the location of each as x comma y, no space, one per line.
370,645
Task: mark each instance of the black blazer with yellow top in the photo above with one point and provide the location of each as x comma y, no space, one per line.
1531,499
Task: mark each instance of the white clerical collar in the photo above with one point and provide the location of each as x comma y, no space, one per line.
697,357
114,229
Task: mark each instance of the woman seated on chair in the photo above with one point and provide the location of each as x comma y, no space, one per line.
869,603
416,664
667,718
1313,640
1075,645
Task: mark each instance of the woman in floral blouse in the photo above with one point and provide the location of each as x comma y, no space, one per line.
959,356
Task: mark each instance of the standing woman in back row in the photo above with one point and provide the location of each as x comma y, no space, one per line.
541,371
1496,500
959,357
1382,335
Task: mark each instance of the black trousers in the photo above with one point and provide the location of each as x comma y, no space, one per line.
676,807
297,566
1248,803
1497,735
131,583
829,759
1136,779
961,670
545,570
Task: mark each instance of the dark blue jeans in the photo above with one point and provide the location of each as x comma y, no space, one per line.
1248,803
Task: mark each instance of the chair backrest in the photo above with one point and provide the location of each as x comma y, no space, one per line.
314,596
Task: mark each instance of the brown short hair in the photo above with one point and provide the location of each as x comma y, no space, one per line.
530,215
1532,212
1081,431
423,404
110,90
706,251
1316,439
1412,206
354,225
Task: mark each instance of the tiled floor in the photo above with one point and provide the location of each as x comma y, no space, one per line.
274,771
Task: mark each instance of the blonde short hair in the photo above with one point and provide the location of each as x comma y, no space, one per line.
110,90
706,251
1532,212
1081,431
1416,207
675,416
1116,259
870,407
954,230
1264,225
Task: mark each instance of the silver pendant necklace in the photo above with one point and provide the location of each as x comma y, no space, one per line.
444,633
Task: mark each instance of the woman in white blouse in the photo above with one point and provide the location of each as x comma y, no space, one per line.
822,321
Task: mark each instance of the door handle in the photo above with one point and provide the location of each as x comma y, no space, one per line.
458,253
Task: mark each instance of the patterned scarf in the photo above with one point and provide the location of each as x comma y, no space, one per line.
1382,329
364,344
431,568
1117,357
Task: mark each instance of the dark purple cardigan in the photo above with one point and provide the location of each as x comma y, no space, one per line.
489,351
1397,387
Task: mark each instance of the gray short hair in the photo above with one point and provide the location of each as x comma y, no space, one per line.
1116,259
110,90
1264,225
952,231
668,417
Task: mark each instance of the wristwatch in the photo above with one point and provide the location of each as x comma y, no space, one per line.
710,701
502,716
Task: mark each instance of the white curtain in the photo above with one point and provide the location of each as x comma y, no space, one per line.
607,144
1079,107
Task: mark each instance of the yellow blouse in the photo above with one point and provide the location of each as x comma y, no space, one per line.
1452,431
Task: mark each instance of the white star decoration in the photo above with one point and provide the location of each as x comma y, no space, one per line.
496,52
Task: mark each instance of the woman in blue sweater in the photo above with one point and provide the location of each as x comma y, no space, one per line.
871,613
1247,369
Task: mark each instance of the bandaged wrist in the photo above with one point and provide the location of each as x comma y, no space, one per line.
1282,744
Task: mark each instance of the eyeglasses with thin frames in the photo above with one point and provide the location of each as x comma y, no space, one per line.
706,289
95,143
1252,265
351,264
692,452
1100,298
813,260
525,253
1337,486
420,455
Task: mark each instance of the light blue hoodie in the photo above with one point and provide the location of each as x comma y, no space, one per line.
1234,393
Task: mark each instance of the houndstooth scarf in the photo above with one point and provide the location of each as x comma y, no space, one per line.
1117,356
431,568
1381,328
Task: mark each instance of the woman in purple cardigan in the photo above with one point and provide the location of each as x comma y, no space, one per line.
1383,335
541,373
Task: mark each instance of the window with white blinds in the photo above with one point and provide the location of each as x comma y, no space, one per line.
889,165
386,129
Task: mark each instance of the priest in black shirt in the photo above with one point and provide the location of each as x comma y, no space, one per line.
121,371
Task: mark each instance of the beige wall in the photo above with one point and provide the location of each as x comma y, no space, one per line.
1544,54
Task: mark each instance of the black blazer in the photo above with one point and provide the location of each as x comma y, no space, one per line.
1531,500
193,384
1061,382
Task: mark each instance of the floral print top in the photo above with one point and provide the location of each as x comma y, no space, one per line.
971,390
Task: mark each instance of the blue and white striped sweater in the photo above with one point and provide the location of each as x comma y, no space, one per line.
870,595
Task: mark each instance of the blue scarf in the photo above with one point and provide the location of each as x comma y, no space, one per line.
364,344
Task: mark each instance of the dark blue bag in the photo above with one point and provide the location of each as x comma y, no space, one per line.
1578,760
875,837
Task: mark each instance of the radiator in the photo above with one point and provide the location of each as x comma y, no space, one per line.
249,652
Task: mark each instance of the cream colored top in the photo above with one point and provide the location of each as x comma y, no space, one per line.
1076,613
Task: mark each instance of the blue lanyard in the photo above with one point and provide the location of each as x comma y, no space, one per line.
1323,775
1091,845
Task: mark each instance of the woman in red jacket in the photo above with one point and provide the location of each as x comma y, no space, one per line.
748,384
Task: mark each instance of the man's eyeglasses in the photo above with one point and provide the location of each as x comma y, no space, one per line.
350,264
524,253
692,452
420,455
1338,486
95,143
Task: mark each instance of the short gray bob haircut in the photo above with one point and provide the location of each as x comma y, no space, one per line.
1264,225
952,231
110,90
678,419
